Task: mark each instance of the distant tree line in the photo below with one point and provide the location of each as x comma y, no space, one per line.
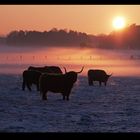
128,37
47,38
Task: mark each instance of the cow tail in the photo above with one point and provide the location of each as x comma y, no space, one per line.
23,82
23,85
40,84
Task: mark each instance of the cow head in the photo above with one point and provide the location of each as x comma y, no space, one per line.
72,75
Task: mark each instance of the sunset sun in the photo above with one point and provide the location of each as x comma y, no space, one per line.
119,23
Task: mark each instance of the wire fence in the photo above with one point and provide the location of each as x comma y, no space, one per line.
32,58
18,63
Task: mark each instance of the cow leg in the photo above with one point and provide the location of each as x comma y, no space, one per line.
100,83
44,96
67,97
23,85
105,83
37,86
28,86
63,96
90,82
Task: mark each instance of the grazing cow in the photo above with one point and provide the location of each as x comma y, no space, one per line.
58,83
97,75
47,69
30,77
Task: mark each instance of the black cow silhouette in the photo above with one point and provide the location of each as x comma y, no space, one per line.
97,75
58,83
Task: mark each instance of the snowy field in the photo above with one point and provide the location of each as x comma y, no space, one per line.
114,108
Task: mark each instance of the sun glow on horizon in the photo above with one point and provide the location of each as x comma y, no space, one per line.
119,23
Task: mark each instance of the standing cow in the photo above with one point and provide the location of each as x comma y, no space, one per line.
97,75
30,77
58,83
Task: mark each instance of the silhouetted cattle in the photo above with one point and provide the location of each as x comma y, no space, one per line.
58,83
97,75
30,77
46,69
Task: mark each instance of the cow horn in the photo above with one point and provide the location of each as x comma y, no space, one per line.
110,74
65,69
80,70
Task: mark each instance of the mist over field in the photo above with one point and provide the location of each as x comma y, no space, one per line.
124,62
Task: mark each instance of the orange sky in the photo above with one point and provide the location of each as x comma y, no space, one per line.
92,19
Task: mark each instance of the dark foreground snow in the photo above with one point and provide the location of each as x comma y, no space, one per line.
115,108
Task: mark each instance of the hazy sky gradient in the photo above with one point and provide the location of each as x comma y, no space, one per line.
92,19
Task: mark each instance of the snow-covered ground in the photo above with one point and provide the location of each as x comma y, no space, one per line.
114,108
